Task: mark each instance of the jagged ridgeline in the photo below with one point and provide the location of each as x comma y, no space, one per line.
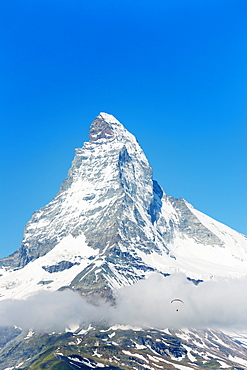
112,225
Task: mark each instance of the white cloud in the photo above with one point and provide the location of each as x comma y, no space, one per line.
48,311
220,304
209,304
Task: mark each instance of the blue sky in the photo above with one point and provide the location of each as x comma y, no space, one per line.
174,72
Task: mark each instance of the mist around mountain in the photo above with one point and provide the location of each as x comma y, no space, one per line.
147,303
112,249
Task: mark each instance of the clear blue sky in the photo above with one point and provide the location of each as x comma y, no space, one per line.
174,72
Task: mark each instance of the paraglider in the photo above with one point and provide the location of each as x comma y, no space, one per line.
177,302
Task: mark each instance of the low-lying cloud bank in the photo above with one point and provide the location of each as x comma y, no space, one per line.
221,304
209,304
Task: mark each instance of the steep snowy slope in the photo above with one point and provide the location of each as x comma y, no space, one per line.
111,224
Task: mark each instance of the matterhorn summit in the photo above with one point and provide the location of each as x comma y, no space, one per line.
111,224
99,268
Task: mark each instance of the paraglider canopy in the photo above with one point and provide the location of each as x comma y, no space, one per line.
177,302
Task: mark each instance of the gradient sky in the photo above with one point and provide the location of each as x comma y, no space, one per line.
174,72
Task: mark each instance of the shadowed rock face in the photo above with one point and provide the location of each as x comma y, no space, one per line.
60,266
7,333
191,226
100,129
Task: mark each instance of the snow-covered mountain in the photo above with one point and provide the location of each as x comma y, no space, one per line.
111,224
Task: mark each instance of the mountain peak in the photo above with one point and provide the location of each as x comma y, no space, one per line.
106,126
109,118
